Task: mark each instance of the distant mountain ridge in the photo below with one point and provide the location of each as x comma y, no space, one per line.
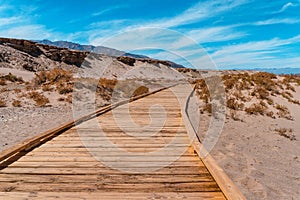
286,70
101,50
90,48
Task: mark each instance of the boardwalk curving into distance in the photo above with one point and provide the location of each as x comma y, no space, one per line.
139,150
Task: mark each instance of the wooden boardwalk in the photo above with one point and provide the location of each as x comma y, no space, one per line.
116,156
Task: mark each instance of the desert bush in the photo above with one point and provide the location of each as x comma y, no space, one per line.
202,90
290,87
183,70
282,108
270,101
40,100
234,105
140,90
55,75
256,108
283,111
207,107
2,104
64,88
17,90
270,114
69,99
47,88
16,103
2,82
287,133
261,93
12,78
264,80
106,87
294,101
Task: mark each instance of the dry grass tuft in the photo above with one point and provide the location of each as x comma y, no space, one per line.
2,104
53,76
40,99
2,82
287,133
12,78
16,103
256,108
140,90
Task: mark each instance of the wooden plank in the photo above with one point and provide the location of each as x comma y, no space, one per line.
228,188
110,196
95,164
105,178
30,143
112,187
64,165
103,170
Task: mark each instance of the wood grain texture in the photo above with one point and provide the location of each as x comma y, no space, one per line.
88,162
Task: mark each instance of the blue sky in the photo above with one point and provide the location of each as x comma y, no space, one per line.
234,33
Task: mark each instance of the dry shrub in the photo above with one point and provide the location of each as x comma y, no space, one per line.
140,90
261,93
234,105
256,108
47,88
53,76
12,78
17,90
64,88
265,80
294,101
106,87
291,79
290,87
69,99
202,90
183,70
283,111
207,107
3,90
287,133
61,99
40,99
16,103
239,81
2,104
270,114
270,101
2,82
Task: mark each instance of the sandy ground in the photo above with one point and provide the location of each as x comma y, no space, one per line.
18,124
263,164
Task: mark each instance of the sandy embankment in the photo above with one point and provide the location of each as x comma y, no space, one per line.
263,164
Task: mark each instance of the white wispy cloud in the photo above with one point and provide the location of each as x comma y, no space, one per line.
254,53
286,6
10,20
215,34
27,32
104,11
199,12
277,21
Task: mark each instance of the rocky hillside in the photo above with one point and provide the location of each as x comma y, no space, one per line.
102,50
32,56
